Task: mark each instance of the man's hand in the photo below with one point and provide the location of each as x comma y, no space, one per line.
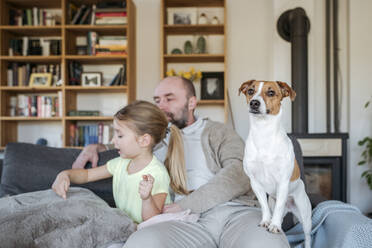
145,186
172,208
89,154
61,184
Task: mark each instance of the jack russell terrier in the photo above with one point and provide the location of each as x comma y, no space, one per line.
269,159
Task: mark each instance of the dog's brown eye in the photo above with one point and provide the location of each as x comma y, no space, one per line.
271,93
250,91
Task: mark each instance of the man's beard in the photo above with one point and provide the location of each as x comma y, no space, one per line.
182,122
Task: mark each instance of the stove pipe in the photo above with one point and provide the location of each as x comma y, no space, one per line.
293,26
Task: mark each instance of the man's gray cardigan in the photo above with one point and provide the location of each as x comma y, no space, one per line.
224,151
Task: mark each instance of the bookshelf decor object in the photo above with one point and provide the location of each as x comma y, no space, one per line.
193,36
47,48
40,80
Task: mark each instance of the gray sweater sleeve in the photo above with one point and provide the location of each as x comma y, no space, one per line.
224,151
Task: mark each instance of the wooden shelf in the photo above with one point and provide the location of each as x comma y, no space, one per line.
9,125
194,58
193,29
29,118
194,3
211,102
33,30
89,118
101,29
32,58
47,4
102,89
73,147
98,59
20,89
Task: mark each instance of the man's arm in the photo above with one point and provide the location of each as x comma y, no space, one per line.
227,149
89,154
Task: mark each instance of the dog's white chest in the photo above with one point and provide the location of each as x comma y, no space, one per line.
267,164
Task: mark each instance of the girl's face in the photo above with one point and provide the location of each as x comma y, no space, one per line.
126,140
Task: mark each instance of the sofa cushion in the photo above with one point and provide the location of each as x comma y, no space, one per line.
29,167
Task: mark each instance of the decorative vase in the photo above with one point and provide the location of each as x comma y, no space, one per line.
215,20
176,51
187,47
201,45
203,19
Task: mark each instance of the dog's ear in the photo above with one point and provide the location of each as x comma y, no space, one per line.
286,90
244,87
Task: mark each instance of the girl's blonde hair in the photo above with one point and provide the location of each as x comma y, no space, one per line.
146,118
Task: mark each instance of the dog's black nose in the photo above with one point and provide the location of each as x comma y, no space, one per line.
255,104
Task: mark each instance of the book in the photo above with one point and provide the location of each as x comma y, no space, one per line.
111,21
110,14
84,18
83,113
78,14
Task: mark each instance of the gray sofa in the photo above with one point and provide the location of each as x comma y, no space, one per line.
29,168
36,217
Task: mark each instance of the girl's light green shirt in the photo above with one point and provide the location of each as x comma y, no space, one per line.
125,186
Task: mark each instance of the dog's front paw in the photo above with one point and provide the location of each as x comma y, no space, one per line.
274,229
264,224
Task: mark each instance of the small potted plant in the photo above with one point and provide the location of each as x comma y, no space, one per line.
366,155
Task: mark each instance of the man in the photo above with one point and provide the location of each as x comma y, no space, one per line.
213,156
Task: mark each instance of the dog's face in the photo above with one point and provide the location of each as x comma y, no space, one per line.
264,97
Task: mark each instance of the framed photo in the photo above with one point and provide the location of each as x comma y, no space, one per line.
40,80
212,86
185,16
91,78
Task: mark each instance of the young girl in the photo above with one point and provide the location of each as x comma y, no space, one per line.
140,180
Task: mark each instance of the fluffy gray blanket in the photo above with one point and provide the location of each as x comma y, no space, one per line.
43,219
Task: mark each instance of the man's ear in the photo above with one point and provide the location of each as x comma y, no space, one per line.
144,140
192,103
286,90
244,87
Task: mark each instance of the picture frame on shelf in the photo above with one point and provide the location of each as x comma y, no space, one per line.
90,79
182,16
40,80
212,86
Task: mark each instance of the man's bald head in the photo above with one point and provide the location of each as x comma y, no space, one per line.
176,97
187,84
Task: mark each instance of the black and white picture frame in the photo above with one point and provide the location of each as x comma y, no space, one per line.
183,16
212,86
91,79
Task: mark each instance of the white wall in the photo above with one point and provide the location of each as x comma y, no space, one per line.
255,51
360,90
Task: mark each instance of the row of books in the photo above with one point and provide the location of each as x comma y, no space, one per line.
111,45
19,73
74,73
84,134
83,113
40,46
33,17
104,45
121,77
112,13
36,105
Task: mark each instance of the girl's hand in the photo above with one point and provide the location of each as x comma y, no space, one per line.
61,184
172,208
145,186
